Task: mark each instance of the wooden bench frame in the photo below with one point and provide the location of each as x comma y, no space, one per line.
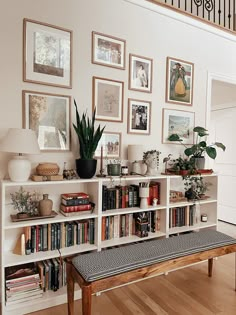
89,288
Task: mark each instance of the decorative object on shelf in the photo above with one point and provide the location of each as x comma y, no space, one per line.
183,166
47,58
204,217
124,170
140,73
108,50
177,196
166,160
68,174
196,151
135,155
141,224
177,121
179,84
114,167
47,169
15,218
49,116
154,202
151,159
144,194
108,99
195,187
40,178
139,117
25,203
45,206
88,140
20,141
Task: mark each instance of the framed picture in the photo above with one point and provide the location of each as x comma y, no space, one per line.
139,117
179,82
49,115
108,50
47,54
140,73
109,144
108,99
177,121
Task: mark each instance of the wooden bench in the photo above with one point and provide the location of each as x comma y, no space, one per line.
98,271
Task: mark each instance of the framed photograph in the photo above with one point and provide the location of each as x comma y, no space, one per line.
108,99
139,117
108,50
180,122
47,54
179,81
110,145
140,73
49,115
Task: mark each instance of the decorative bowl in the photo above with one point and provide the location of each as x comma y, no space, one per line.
45,169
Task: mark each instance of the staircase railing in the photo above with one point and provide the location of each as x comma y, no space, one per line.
218,12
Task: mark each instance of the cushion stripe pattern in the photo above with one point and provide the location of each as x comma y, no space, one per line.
98,265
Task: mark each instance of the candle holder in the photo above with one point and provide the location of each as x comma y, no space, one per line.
101,172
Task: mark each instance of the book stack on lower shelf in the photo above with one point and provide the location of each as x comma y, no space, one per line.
23,284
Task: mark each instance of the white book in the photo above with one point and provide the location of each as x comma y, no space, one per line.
116,226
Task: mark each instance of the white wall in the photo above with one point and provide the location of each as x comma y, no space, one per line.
147,33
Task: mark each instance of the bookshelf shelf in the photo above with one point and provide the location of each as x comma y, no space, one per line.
10,231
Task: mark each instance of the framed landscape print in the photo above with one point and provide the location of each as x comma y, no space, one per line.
180,122
47,54
110,144
108,50
139,115
140,73
49,115
179,81
108,99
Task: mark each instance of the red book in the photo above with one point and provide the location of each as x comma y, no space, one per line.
78,208
78,195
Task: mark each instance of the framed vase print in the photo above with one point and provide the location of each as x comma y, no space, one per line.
179,81
49,116
108,50
108,99
140,73
177,122
139,117
47,56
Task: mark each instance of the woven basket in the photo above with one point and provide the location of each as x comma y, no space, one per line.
45,169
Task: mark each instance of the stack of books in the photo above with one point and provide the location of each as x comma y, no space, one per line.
74,203
23,284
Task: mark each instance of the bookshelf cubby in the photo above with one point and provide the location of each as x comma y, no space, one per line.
10,231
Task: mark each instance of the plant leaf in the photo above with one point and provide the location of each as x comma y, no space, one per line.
174,137
211,152
220,145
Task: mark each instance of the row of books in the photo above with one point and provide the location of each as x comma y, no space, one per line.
129,224
22,284
182,216
52,273
58,235
127,196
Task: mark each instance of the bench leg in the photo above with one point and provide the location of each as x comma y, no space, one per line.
210,266
86,300
70,289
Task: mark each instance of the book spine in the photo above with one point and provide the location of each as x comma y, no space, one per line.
68,209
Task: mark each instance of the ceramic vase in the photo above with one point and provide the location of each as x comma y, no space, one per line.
45,206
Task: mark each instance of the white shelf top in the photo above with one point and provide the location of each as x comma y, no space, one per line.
200,225
190,203
11,259
9,183
130,239
119,211
58,218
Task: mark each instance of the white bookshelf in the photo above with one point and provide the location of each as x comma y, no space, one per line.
10,231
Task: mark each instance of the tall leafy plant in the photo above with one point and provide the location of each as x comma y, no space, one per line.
87,135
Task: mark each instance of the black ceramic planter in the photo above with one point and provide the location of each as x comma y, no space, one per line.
86,168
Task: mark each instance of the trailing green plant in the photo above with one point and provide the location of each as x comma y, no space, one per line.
87,135
195,187
201,146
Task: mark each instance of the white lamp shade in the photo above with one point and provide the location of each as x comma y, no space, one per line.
135,152
22,141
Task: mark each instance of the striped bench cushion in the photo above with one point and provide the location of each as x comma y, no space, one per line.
98,265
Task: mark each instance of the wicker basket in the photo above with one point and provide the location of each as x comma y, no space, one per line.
45,169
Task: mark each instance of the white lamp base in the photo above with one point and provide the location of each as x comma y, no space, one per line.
19,169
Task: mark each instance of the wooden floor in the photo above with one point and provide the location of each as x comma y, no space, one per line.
184,292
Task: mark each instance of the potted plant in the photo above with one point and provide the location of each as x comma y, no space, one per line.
183,166
195,187
197,150
88,139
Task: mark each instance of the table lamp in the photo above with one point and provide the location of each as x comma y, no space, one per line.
135,154
20,141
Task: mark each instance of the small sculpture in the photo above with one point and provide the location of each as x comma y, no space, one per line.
151,159
165,160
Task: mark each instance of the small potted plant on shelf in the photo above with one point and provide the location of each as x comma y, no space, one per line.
183,166
195,187
88,139
25,203
200,147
